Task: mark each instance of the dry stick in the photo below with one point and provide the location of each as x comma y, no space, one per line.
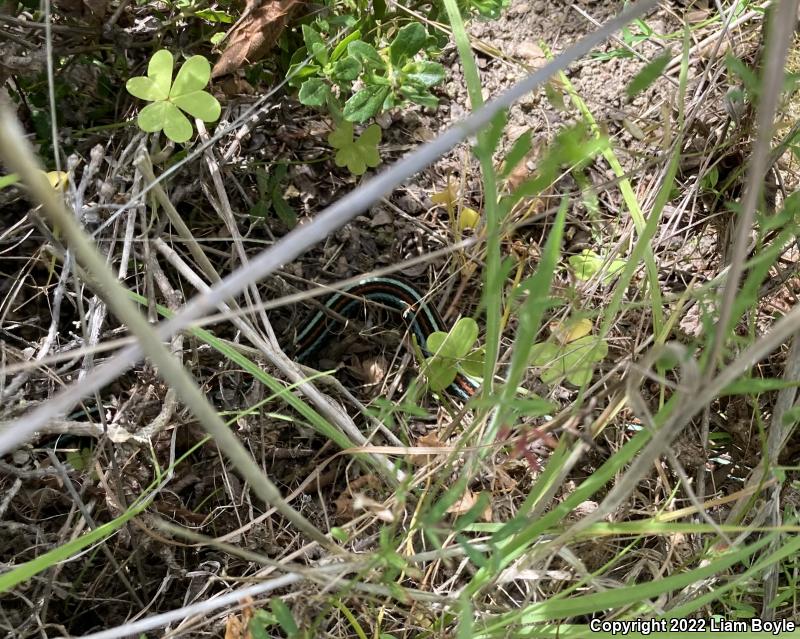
228,599
781,30
18,155
300,239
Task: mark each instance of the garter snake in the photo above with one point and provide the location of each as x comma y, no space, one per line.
420,317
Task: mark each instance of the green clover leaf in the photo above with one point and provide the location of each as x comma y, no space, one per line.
588,264
357,154
159,77
448,350
574,360
170,99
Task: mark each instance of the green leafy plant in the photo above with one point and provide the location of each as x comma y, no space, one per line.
360,80
648,74
571,352
79,459
453,352
482,8
586,265
170,99
356,153
280,616
270,196
639,31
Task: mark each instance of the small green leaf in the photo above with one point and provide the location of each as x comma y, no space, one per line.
533,406
339,534
341,136
145,89
474,362
159,70
409,40
199,104
648,74
424,72
8,180
260,209
365,54
519,150
346,70
358,154
176,125
757,385
169,98
440,374
257,630
419,96
580,357
544,354
215,16
320,53
489,138
464,333
152,117
260,622
283,210
284,616
738,68
192,77
315,44
314,92
79,459
299,72
340,48
588,264
365,104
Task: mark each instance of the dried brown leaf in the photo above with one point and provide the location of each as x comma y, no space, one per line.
429,440
463,505
234,627
254,35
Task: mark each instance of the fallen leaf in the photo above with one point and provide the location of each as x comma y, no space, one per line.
344,507
518,175
362,502
428,440
467,501
235,628
254,35
446,197
571,330
235,86
468,219
531,52
371,371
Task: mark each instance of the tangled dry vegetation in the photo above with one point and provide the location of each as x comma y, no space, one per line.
399,516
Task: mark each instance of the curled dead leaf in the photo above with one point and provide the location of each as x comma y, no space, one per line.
467,501
362,502
254,34
428,440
